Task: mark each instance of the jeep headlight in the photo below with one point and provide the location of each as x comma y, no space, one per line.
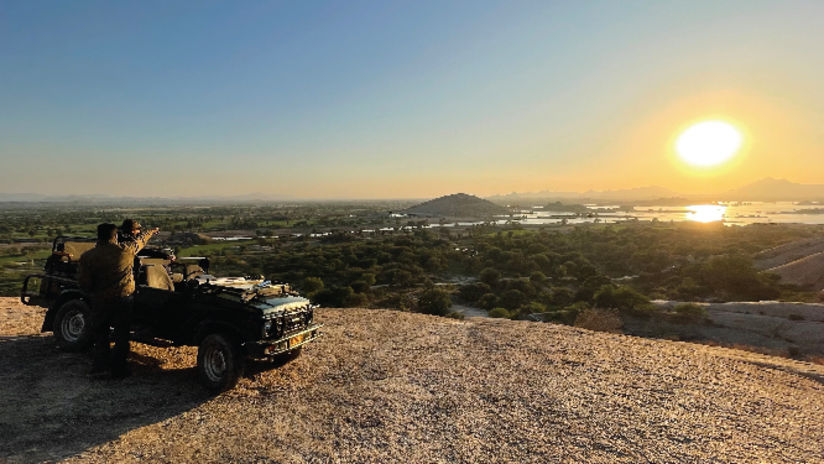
267,327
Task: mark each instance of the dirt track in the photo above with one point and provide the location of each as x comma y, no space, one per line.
384,386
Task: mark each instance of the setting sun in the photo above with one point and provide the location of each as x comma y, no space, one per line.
708,143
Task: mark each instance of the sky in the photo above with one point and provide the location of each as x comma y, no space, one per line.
402,99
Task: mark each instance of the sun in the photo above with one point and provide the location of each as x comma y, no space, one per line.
708,143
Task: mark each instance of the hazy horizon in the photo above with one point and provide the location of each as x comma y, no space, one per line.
372,100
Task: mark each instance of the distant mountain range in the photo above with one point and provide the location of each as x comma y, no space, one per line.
639,193
768,189
130,200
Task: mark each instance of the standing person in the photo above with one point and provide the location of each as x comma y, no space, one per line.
130,230
106,274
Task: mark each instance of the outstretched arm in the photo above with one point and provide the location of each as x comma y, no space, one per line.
140,241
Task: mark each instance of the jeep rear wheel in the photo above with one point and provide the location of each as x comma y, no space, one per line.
219,363
72,326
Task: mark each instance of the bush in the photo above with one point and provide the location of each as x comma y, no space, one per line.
360,286
532,307
512,299
499,313
336,297
471,293
435,301
602,320
490,276
689,312
488,301
625,299
537,278
311,286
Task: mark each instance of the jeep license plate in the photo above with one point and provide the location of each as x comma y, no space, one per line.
297,340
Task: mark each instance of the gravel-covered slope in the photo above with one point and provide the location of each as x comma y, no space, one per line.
385,386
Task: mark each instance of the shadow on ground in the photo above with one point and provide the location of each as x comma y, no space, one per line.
46,393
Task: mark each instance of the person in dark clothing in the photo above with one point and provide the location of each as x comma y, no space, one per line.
128,230
106,275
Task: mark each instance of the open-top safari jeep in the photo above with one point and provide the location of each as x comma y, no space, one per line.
229,319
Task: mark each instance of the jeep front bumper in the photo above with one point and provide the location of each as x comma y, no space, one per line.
269,348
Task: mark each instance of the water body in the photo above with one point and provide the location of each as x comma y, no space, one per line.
732,213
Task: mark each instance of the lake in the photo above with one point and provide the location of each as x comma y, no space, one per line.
729,213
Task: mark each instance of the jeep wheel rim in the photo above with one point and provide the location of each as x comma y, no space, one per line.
73,325
214,364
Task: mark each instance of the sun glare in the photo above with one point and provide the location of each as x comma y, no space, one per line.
708,143
706,213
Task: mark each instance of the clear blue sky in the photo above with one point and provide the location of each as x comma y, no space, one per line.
398,99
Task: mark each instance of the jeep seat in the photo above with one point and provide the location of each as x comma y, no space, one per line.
157,277
193,271
75,249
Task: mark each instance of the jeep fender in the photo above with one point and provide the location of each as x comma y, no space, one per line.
65,296
207,327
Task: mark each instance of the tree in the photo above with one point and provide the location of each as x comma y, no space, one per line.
490,276
312,285
512,299
360,286
435,301
498,312
537,278
473,292
336,297
488,301
625,299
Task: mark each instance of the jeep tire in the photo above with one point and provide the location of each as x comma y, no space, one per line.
219,362
73,326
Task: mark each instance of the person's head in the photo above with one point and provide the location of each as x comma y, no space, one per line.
106,232
130,227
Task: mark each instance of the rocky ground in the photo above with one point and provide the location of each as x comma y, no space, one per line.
385,386
787,329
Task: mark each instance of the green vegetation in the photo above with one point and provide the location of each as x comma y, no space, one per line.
358,255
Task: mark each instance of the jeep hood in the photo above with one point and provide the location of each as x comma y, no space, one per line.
274,305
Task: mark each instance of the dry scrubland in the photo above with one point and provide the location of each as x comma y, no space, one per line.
385,386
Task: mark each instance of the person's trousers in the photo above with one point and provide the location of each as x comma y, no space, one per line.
115,313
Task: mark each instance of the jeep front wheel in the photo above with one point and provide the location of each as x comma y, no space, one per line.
219,362
72,326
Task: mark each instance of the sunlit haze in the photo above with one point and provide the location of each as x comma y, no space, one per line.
405,99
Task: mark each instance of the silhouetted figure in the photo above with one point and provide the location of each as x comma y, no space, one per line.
106,275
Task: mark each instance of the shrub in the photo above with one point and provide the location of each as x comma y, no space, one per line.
512,299
435,301
471,293
625,299
490,276
360,286
689,312
488,301
602,320
499,313
532,307
336,297
537,278
312,285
